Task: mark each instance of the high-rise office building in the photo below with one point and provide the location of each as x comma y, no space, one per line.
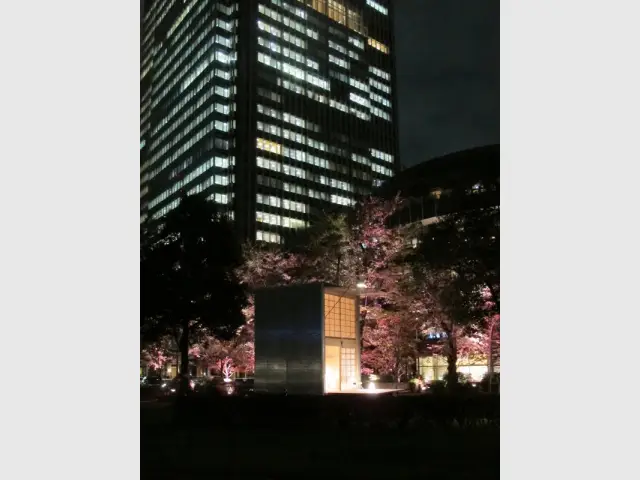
276,109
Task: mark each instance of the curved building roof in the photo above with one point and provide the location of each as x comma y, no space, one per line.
451,171
439,186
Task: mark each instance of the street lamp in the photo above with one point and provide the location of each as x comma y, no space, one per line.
361,285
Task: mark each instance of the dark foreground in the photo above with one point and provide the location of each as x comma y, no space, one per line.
277,438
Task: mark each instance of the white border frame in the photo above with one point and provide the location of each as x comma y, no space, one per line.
70,224
70,244
569,128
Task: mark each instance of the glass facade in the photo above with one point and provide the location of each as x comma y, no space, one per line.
275,109
339,317
435,368
340,320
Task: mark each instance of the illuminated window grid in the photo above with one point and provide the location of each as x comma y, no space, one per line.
337,11
348,366
378,45
339,317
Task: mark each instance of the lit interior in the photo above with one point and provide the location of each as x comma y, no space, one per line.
341,367
338,11
332,368
435,367
339,317
348,368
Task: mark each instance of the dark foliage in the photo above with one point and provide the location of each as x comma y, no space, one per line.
457,261
467,243
188,280
361,412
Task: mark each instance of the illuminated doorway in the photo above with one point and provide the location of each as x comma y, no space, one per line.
348,369
341,362
332,368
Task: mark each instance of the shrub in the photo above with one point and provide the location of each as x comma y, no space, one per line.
495,382
463,379
438,386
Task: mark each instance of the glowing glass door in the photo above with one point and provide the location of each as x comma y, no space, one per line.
331,368
348,369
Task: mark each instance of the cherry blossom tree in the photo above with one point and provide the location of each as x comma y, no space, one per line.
348,249
155,357
188,278
226,367
263,266
267,266
491,338
360,249
455,279
158,353
390,341
243,346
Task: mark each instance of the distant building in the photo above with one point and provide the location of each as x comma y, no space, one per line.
437,187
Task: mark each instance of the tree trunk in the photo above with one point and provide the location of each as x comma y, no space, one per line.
490,353
452,360
494,297
184,360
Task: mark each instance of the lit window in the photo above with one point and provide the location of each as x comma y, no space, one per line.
358,99
380,99
222,40
295,10
379,113
269,29
378,7
221,162
273,46
228,26
359,85
223,92
337,47
222,198
269,146
338,105
380,73
387,157
297,41
359,113
357,42
268,237
279,220
278,202
360,159
268,164
222,180
180,18
379,85
378,45
339,61
337,11
222,126
340,200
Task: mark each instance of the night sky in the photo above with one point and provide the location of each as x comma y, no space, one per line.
448,66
